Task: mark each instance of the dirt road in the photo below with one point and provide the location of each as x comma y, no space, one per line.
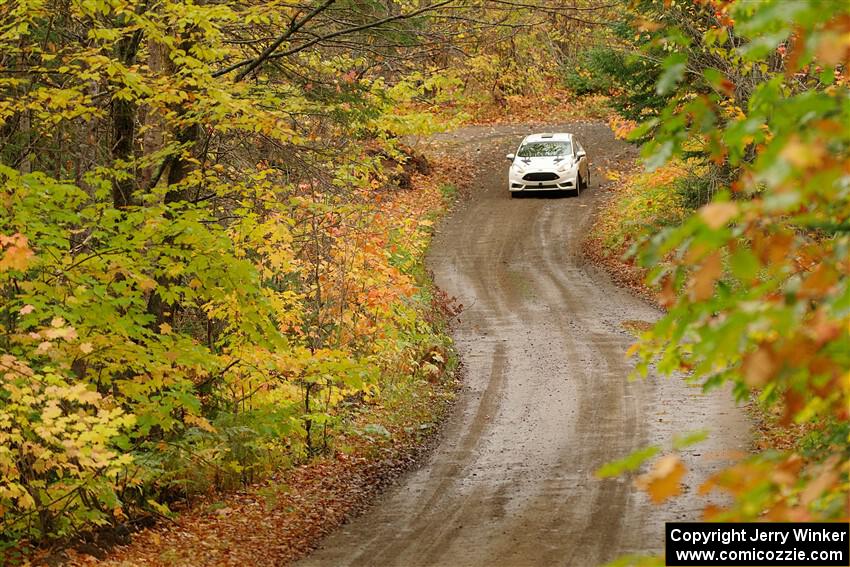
545,401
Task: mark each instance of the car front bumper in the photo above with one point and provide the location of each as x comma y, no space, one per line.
565,180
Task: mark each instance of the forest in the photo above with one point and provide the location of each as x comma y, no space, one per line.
216,217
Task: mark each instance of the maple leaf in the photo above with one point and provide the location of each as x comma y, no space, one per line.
716,215
759,366
664,480
17,255
703,280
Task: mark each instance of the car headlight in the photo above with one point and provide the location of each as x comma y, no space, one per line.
565,165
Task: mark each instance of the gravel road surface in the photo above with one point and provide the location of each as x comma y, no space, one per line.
546,400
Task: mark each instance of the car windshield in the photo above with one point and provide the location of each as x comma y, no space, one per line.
545,149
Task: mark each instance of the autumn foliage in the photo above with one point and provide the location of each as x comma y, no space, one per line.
751,257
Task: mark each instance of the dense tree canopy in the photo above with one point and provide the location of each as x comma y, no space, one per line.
195,270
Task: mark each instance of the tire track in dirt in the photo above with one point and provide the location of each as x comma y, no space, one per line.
545,401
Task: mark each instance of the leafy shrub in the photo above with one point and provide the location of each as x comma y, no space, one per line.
593,71
58,455
641,206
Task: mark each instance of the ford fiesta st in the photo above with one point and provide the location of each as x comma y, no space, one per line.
548,162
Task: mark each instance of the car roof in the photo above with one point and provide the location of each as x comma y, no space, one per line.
549,137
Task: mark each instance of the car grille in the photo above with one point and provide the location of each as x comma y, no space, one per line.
540,176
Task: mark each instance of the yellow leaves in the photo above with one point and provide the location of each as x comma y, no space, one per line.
147,284
16,492
51,411
664,480
165,328
67,333
717,215
80,393
68,429
26,309
86,348
701,284
199,422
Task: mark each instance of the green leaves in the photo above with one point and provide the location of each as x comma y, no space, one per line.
753,279
674,71
628,463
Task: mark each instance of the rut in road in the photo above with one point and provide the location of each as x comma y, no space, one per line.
545,401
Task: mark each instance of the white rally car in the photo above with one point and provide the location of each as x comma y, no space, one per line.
548,162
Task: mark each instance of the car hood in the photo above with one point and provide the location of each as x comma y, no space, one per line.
541,163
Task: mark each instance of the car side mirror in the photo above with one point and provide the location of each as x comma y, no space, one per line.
510,157
580,154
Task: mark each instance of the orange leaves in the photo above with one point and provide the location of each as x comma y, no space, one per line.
833,47
803,154
667,295
717,215
824,477
778,489
819,281
701,284
664,480
621,127
15,252
772,249
758,367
